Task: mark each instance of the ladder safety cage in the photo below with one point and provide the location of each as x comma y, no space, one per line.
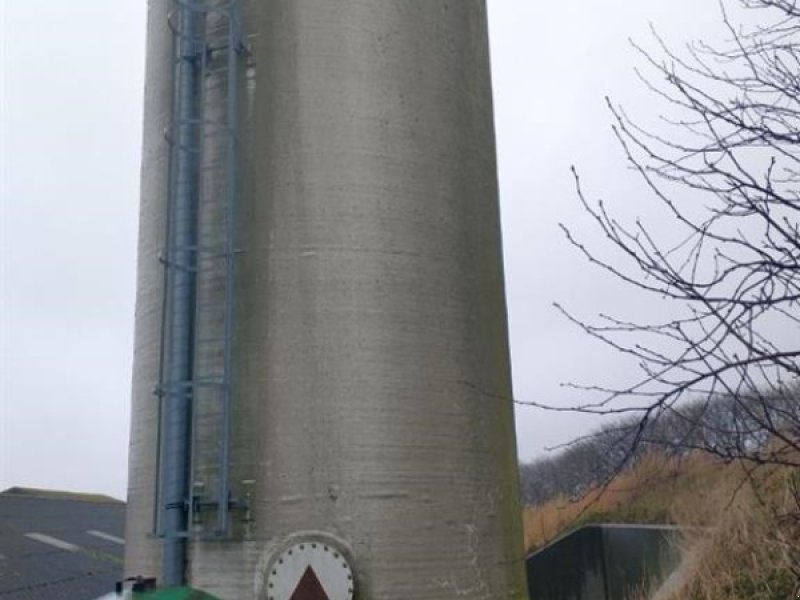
193,494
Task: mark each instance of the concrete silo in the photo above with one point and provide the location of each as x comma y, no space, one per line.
321,347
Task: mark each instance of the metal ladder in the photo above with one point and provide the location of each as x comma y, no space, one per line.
194,496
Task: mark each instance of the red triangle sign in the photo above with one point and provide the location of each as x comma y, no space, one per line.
309,587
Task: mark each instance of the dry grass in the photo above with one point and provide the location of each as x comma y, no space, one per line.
743,527
643,494
752,552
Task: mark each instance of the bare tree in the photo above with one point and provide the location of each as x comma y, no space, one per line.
717,426
728,174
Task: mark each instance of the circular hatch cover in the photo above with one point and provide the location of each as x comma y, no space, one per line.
310,570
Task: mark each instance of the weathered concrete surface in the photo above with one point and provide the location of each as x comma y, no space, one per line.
142,551
372,385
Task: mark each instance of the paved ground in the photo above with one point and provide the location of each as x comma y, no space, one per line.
56,546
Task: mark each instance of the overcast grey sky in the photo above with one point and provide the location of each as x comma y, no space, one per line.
71,87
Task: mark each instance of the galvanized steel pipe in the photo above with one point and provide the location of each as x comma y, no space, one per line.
179,338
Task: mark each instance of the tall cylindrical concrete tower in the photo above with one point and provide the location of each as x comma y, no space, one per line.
363,337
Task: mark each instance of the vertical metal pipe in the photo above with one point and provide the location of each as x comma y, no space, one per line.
180,320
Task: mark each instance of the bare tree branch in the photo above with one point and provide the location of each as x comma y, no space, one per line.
723,374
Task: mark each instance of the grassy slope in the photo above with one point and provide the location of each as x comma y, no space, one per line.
747,527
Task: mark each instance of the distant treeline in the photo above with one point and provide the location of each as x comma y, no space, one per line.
761,429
